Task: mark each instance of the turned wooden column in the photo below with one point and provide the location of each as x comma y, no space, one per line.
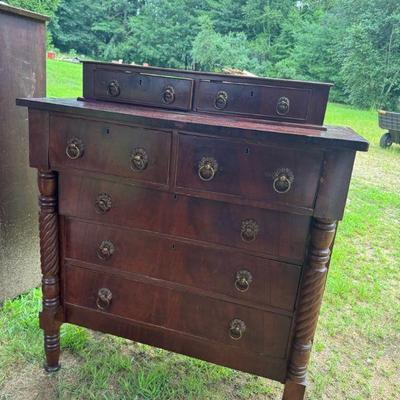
50,320
311,292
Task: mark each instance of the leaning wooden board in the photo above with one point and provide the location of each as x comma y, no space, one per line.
187,219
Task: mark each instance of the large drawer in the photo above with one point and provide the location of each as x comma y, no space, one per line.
275,233
219,321
223,272
131,152
266,174
142,88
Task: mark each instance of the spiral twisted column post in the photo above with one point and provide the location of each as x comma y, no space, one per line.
50,316
311,292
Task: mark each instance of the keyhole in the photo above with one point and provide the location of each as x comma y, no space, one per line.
140,82
247,151
173,246
251,93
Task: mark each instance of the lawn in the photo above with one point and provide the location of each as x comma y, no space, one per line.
356,352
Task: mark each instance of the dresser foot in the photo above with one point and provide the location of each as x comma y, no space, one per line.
52,350
294,391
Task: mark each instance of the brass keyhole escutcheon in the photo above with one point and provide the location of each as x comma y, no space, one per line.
105,250
249,230
207,168
74,149
168,95
237,328
283,180
104,297
113,89
243,280
139,159
103,203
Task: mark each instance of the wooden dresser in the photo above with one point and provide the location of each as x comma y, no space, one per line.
190,211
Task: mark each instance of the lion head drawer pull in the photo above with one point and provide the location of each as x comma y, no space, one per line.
113,89
103,203
74,149
208,167
243,280
105,250
283,180
104,297
237,328
283,106
249,230
221,100
139,159
168,95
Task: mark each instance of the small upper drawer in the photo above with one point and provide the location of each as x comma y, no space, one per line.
256,172
144,89
252,100
135,153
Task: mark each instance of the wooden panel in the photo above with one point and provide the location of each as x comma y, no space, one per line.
248,171
265,333
269,133
217,353
145,89
280,234
335,182
108,148
254,100
214,270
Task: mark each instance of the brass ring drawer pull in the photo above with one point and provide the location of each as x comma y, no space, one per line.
105,250
74,149
283,106
221,100
283,180
104,297
139,159
113,89
237,328
207,168
243,280
249,230
103,203
168,95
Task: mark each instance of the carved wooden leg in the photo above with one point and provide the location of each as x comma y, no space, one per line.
50,320
311,292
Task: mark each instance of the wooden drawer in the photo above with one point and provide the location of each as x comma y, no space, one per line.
248,171
141,88
136,153
262,332
253,100
275,233
222,272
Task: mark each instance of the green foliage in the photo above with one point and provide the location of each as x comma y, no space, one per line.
353,43
47,7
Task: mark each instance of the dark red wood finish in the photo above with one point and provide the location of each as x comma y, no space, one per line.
247,171
108,148
213,270
247,96
180,311
155,254
280,234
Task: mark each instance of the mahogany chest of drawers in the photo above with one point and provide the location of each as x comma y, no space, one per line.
198,217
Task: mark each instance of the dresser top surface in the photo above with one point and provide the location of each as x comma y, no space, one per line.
329,136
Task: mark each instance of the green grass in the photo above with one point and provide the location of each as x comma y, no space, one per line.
356,348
